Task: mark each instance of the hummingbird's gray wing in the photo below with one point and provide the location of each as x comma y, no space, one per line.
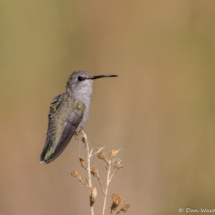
65,115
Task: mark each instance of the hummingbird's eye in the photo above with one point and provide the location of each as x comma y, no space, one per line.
80,78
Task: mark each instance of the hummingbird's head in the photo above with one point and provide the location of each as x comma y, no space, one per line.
81,82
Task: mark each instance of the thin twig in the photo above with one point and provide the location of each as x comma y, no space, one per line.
85,184
107,184
88,164
100,181
112,175
95,173
97,151
90,155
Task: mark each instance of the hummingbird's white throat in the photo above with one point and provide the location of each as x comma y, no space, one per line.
82,91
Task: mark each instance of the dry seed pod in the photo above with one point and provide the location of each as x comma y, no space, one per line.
93,195
101,155
113,153
117,200
84,140
74,173
124,208
82,161
94,170
118,164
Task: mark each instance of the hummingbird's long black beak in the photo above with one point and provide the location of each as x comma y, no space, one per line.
103,76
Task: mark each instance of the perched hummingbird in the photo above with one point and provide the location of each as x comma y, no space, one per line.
67,114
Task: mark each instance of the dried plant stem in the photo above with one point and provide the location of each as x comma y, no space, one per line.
110,179
92,170
88,165
79,178
107,184
100,181
99,150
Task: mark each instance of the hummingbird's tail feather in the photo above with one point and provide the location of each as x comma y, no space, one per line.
48,155
49,152
47,158
43,154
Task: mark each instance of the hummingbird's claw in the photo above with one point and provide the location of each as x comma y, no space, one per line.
77,135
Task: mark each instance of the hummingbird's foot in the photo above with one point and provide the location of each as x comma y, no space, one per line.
77,135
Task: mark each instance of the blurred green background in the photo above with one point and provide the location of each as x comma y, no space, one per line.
160,110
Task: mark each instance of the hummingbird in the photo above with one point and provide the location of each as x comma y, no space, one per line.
68,112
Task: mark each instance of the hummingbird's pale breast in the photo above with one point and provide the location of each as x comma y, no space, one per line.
83,94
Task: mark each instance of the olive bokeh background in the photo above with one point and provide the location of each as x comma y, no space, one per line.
160,110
